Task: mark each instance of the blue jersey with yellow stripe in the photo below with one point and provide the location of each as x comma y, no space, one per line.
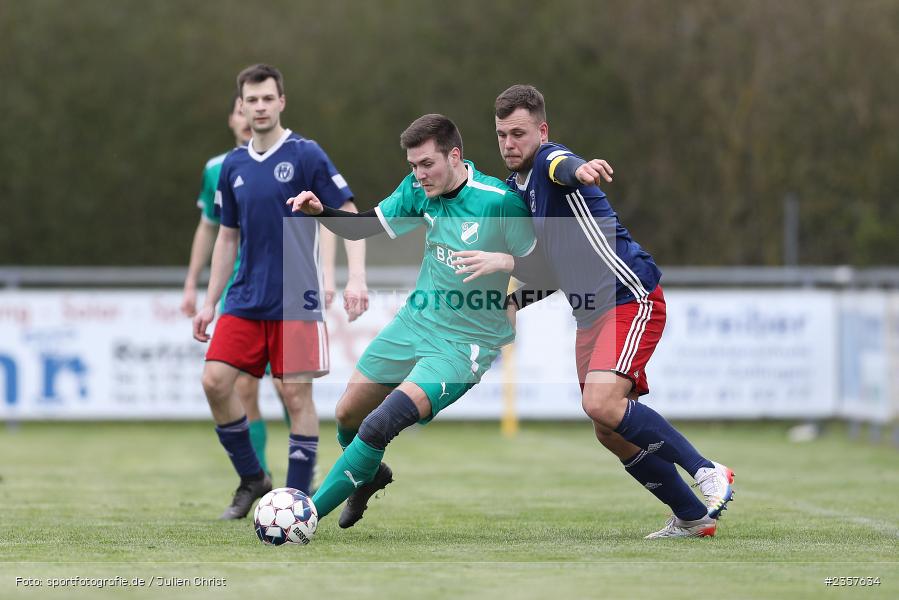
592,256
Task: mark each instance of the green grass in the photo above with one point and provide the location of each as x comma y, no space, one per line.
547,514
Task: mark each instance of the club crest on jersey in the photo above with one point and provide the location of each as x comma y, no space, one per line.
284,172
470,232
533,201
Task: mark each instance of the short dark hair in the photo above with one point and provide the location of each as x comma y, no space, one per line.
521,96
234,98
435,127
258,74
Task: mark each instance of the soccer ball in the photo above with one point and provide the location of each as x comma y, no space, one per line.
285,516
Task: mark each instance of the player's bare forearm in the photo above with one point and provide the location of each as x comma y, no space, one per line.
355,250
223,256
355,296
200,251
355,259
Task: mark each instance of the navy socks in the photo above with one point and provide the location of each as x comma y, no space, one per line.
665,483
649,430
235,437
302,450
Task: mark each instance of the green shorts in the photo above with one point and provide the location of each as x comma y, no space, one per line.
444,369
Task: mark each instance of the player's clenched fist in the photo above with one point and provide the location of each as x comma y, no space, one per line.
306,202
593,172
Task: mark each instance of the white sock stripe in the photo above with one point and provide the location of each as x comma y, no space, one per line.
242,426
639,457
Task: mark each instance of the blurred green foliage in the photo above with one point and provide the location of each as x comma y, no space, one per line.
710,112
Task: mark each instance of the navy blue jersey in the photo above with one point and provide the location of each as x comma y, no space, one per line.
593,257
252,192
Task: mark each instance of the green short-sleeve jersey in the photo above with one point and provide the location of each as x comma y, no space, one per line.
485,215
206,199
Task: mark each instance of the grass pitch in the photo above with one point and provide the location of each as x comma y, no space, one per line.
548,514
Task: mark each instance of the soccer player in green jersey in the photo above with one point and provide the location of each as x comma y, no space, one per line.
450,330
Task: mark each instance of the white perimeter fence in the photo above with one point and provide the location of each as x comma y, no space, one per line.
746,343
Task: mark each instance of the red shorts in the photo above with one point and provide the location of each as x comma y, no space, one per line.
292,347
622,340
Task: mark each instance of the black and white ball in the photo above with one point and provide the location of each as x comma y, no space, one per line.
285,516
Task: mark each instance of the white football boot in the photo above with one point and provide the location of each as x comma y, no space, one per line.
716,485
678,528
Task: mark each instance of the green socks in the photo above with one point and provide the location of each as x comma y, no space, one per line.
258,438
345,436
357,465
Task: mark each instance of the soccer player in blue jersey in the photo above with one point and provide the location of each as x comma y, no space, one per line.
274,310
613,286
246,387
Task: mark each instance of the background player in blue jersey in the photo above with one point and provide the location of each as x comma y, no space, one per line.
246,387
274,310
613,286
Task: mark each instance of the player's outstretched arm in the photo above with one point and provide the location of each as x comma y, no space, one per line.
348,225
476,263
573,171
